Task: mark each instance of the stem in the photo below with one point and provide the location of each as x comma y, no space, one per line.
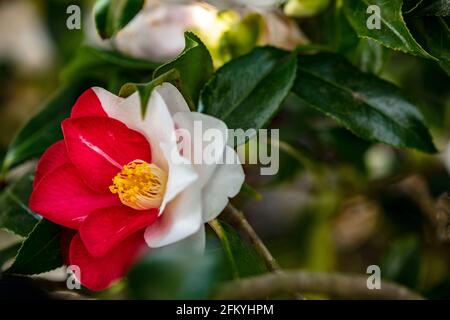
237,219
332,284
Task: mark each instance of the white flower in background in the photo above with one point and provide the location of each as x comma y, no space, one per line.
157,32
24,41
248,3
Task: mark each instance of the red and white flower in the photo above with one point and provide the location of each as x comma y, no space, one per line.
117,186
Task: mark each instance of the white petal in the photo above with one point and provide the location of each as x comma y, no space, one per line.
180,175
258,3
127,111
225,183
195,243
174,99
159,129
204,155
157,32
181,219
107,99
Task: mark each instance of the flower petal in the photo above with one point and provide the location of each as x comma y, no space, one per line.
105,228
159,130
225,183
206,144
63,198
100,147
181,219
181,174
173,98
54,157
99,273
88,105
195,243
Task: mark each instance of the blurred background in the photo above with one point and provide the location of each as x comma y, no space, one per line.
339,203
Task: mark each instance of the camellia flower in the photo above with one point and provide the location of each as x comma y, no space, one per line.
120,184
157,32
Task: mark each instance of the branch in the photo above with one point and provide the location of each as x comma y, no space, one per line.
238,220
437,211
333,284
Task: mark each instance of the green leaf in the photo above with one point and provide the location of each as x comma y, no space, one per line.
242,258
145,89
176,274
371,108
435,34
8,253
393,34
194,65
248,91
338,33
97,62
366,54
439,8
43,129
15,216
40,252
113,15
369,56
250,192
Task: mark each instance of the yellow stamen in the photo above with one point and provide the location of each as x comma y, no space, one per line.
140,185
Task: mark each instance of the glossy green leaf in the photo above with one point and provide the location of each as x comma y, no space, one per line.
393,33
248,91
40,252
145,89
194,65
368,55
99,63
43,129
9,253
242,258
172,273
370,107
427,7
338,33
113,15
15,216
435,34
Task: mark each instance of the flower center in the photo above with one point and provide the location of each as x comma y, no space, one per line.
140,185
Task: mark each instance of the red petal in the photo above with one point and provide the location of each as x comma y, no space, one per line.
99,273
100,147
54,157
88,105
105,228
62,197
